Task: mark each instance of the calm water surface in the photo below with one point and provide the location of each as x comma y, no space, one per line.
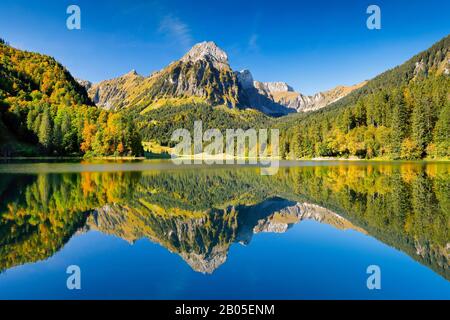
157,231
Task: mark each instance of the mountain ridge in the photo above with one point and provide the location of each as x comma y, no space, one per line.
283,94
204,72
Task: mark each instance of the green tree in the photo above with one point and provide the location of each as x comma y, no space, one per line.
442,133
45,131
399,124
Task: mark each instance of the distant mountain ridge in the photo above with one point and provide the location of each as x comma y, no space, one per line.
205,72
282,94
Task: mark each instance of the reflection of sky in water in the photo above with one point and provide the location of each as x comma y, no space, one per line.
311,260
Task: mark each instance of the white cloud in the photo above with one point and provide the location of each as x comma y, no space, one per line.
176,30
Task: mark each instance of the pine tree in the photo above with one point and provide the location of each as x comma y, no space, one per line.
442,133
420,124
399,124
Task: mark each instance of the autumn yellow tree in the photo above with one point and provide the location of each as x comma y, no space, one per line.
89,131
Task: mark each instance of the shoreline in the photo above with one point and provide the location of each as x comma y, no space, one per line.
72,158
319,159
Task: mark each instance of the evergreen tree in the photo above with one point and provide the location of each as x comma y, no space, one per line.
422,124
399,124
442,133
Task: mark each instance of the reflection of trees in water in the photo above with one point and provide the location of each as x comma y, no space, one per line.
405,206
199,214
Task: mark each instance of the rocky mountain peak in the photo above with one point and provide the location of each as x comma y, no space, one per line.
208,51
132,72
245,78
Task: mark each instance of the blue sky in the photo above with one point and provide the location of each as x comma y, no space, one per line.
312,45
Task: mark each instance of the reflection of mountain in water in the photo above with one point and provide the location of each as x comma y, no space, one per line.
203,240
200,214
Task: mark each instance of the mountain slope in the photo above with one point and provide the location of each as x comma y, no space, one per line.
45,111
404,113
23,72
435,60
157,123
30,81
113,94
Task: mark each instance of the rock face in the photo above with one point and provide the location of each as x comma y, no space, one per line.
258,94
114,94
245,78
84,83
202,241
273,87
444,66
207,51
279,97
303,103
282,220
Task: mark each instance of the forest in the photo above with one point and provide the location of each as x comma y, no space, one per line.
410,122
158,124
44,111
403,113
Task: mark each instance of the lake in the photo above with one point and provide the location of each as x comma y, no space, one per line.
153,230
